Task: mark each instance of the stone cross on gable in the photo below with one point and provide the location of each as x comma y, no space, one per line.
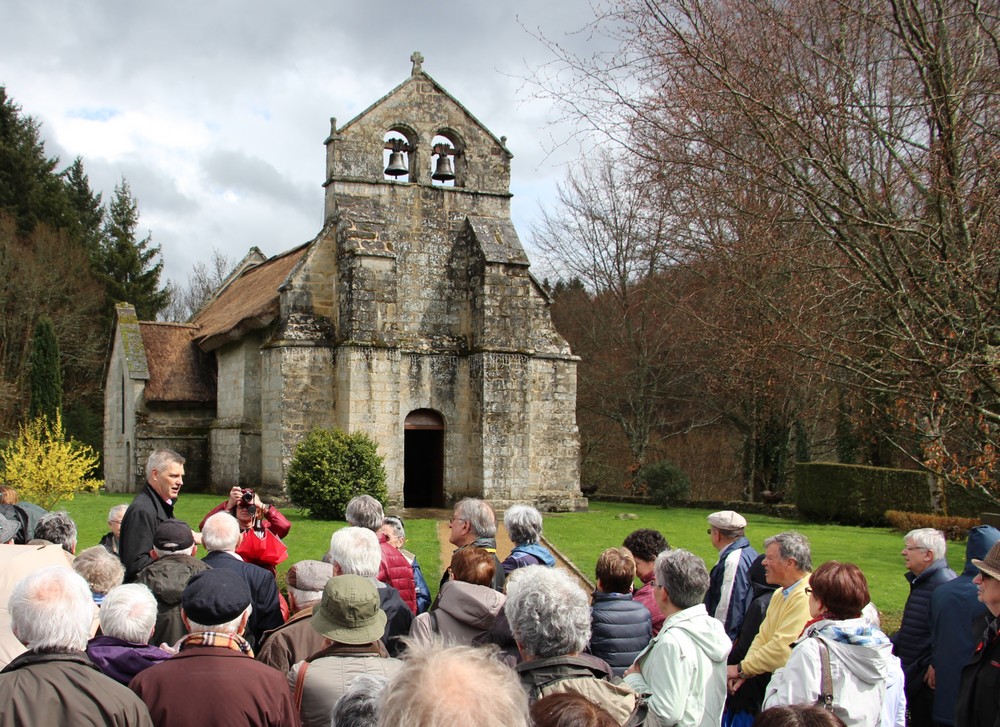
417,60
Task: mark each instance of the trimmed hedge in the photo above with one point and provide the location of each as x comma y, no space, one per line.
858,495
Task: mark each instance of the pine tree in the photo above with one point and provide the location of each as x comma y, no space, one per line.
29,188
45,375
129,267
88,217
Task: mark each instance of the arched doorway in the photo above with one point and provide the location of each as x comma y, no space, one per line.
423,459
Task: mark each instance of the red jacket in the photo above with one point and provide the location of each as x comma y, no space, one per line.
395,570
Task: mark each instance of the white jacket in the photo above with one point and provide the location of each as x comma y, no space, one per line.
684,669
859,667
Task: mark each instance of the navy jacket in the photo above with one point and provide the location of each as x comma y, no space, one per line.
620,629
266,613
958,619
912,643
740,595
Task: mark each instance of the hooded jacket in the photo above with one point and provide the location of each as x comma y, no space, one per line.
465,611
527,554
958,619
166,578
684,669
860,657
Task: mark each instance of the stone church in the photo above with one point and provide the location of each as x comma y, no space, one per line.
411,316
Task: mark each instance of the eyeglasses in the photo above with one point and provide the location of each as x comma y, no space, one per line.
807,590
709,531
986,576
913,547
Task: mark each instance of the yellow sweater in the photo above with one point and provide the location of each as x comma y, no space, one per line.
782,625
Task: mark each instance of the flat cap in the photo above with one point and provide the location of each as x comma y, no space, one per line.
727,520
173,535
310,575
215,596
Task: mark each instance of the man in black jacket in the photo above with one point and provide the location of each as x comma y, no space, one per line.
153,505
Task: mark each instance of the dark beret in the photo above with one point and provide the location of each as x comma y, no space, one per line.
215,596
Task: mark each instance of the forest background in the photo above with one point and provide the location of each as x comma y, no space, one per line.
778,246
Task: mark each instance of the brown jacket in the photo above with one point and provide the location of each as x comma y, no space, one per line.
213,685
291,642
65,689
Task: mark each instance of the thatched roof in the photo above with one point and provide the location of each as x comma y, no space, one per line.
178,370
248,302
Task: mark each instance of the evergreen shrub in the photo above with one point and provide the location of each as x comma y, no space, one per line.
666,483
858,495
330,467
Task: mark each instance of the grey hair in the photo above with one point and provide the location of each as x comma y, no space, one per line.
479,515
229,627
119,510
548,611
159,460
128,613
161,553
441,687
523,523
396,524
684,575
358,706
364,511
356,550
100,569
220,532
58,528
794,546
929,539
52,610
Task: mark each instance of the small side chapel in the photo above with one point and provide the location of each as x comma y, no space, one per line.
412,316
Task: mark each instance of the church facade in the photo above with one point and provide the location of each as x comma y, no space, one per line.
411,316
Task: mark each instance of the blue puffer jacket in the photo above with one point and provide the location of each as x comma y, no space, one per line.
912,643
620,629
958,619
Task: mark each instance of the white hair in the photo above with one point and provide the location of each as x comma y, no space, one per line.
101,570
549,612
220,532
356,551
229,627
117,512
160,459
128,613
929,539
52,610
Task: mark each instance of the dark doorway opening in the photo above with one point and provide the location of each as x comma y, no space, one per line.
423,459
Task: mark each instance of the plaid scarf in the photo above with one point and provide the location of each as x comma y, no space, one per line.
216,638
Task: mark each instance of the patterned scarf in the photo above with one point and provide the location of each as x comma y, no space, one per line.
219,639
857,632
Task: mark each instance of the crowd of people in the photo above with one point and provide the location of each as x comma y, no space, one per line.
138,630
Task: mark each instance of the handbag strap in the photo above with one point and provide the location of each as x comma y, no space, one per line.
300,679
826,679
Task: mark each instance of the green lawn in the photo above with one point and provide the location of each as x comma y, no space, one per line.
582,537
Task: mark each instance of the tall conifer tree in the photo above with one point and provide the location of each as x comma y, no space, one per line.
45,376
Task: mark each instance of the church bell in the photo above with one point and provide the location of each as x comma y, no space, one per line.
397,164
443,169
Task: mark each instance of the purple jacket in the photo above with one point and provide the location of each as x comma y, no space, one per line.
122,660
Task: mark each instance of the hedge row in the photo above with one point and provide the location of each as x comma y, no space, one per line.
858,495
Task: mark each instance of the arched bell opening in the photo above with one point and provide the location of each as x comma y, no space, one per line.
447,159
423,459
398,147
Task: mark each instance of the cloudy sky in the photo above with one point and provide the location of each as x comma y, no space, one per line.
215,111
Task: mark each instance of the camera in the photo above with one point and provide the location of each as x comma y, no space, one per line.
247,499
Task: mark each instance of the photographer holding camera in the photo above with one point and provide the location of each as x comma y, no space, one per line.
261,528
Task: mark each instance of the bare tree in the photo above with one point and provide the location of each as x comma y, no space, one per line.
867,132
187,299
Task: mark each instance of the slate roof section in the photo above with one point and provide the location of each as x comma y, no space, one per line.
498,240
